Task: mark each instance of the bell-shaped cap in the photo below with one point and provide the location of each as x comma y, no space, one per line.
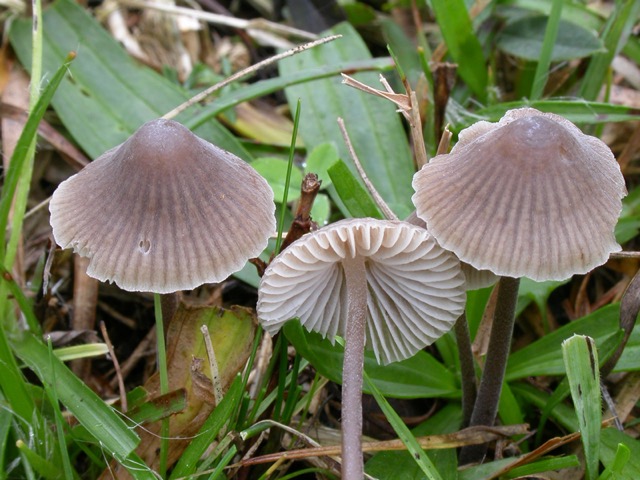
164,211
415,288
529,196
474,279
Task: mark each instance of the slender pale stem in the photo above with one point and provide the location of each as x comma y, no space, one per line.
356,284
486,406
467,368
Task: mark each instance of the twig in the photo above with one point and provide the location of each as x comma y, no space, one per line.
444,77
408,107
143,349
303,222
386,211
445,139
116,366
468,436
213,365
246,72
258,28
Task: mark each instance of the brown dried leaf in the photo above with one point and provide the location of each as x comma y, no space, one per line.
232,333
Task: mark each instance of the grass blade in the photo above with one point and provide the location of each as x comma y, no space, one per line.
374,125
216,421
403,432
287,179
542,69
581,361
615,35
98,418
464,47
20,154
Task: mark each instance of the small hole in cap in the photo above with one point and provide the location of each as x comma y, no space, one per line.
144,245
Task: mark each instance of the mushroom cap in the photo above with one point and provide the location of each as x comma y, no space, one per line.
474,279
529,196
416,289
164,211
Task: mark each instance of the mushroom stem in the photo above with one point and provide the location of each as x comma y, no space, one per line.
467,368
356,285
486,405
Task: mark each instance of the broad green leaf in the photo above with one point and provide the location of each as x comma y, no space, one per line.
373,124
544,357
583,371
524,38
400,465
629,224
353,194
476,304
321,210
319,160
538,293
611,438
509,408
512,10
271,85
562,414
419,376
403,49
107,95
274,171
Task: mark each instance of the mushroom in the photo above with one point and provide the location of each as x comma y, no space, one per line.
382,284
528,196
164,211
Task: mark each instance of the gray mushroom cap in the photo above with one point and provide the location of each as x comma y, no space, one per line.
415,288
474,279
164,211
530,196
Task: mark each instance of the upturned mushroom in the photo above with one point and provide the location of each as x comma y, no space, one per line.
386,285
164,211
528,196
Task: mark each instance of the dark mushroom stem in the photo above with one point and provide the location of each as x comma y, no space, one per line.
467,368
486,405
353,364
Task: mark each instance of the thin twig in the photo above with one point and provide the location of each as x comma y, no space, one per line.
116,366
252,26
386,211
143,349
468,436
445,140
213,365
303,223
246,72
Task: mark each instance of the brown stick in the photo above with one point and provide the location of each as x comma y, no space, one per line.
303,223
